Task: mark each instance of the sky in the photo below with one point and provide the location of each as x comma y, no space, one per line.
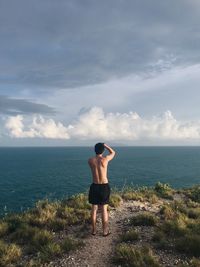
80,72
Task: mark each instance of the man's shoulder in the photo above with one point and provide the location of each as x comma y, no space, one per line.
91,159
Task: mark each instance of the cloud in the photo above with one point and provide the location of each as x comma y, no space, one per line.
39,127
95,124
14,106
68,44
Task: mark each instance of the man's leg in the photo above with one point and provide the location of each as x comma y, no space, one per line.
94,218
105,218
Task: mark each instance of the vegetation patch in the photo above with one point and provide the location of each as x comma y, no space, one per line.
127,255
115,200
130,235
164,190
9,253
144,219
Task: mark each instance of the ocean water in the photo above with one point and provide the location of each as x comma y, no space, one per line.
32,173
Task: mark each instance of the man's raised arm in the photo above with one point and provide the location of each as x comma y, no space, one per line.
111,151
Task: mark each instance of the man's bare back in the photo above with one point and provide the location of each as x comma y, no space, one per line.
99,165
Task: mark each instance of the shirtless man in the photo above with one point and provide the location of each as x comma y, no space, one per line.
99,192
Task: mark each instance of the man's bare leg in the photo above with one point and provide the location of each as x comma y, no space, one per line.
105,218
94,218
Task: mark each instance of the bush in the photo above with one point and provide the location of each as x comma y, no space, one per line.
3,228
167,212
41,238
9,253
189,244
57,224
194,227
161,240
70,244
132,196
194,193
79,201
115,200
175,228
193,263
130,235
24,233
50,251
127,255
163,190
144,219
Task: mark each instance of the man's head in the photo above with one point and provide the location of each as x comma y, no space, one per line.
99,148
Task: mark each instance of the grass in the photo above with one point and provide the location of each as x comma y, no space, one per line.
193,263
144,219
189,244
9,253
115,200
36,231
130,235
127,255
69,244
50,251
163,190
3,228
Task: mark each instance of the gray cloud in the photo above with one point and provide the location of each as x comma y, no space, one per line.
13,106
50,44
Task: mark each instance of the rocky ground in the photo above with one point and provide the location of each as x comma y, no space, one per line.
99,250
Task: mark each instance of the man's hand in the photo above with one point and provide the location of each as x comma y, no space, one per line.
111,151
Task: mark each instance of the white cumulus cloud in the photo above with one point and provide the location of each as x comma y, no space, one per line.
39,127
95,123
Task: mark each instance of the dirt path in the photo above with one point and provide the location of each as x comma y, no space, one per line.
98,250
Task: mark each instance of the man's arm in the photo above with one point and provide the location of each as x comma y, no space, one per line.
111,151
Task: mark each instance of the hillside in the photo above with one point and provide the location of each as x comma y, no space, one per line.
157,226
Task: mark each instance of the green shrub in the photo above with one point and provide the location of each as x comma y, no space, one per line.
83,215
78,201
176,227
127,255
132,196
163,190
130,235
24,233
115,200
160,239
70,244
144,219
57,224
193,263
194,193
41,238
167,212
9,253
194,227
194,213
50,251
43,212
189,244
14,222
3,228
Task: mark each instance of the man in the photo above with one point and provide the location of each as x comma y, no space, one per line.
99,192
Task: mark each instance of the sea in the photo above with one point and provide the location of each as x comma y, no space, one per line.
28,174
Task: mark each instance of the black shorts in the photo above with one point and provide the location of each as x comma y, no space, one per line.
99,194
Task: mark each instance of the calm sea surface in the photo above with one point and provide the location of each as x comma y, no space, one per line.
29,174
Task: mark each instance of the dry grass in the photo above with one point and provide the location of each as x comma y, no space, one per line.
127,255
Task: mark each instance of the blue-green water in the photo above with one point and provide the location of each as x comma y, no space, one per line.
29,174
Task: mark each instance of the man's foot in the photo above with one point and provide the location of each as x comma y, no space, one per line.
93,233
108,233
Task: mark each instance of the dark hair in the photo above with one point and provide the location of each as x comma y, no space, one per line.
99,148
